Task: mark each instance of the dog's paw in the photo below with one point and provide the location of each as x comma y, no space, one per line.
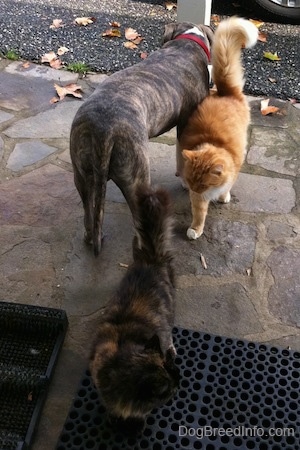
192,234
225,198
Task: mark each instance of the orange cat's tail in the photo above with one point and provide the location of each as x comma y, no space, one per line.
230,37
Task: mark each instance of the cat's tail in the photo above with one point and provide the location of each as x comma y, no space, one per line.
230,37
153,227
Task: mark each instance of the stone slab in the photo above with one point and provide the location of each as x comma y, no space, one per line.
284,295
225,309
43,197
55,123
256,193
274,150
279,120
227,246
41,71
27,153
4,116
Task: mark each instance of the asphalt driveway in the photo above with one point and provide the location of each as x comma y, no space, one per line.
25,28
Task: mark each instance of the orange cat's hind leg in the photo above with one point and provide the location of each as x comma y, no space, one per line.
225,198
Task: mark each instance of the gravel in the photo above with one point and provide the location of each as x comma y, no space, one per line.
26,30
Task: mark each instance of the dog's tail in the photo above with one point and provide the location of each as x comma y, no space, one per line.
230,37
153,227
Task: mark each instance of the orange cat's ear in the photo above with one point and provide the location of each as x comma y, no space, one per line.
217,169
187,154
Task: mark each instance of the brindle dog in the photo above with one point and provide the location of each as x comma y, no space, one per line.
110,132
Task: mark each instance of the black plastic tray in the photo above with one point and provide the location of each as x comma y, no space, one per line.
30,340
226,384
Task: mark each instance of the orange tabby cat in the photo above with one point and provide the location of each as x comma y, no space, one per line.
215,138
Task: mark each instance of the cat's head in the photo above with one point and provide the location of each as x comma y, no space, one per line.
134,381
207,168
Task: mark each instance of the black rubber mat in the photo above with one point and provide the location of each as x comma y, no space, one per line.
30,340
233,395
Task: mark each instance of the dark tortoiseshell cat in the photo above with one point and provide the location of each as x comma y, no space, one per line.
132,361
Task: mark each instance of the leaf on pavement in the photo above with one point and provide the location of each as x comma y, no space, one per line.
56,63
115,24
257,23
48,57
57,23
69,89
62,50
26,65
112,32
265,109
272,56
272,80
262,37
130,44
131,34
144,55
84,21
138,40
170,5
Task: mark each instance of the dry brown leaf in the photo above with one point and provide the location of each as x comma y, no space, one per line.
26,65
130,44
54,100
262,37
257,23
57,23
170,5
48,57
144,55
138,40
69,89
115,24
55,63
272,80
131,34
84,21
62,50
112,32
265,109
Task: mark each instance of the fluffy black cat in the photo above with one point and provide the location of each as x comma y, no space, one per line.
132,360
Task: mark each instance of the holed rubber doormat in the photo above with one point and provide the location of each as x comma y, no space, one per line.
234,395
30,340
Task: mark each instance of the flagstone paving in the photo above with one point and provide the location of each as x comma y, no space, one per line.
251,286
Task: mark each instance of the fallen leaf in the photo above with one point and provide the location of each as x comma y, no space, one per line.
138,40
55,63
30,397
262,37
257,23
84,21
248,272
131,34
112,32
48,57
57,23
62,50
115,24
123,265
130,44
265,109
26,65
69,89
216,19
272,80
54,100
272,56
144,55
170,5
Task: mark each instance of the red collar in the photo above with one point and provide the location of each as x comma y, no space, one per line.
195,38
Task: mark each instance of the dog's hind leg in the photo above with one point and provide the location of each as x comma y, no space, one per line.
100,180
84,185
